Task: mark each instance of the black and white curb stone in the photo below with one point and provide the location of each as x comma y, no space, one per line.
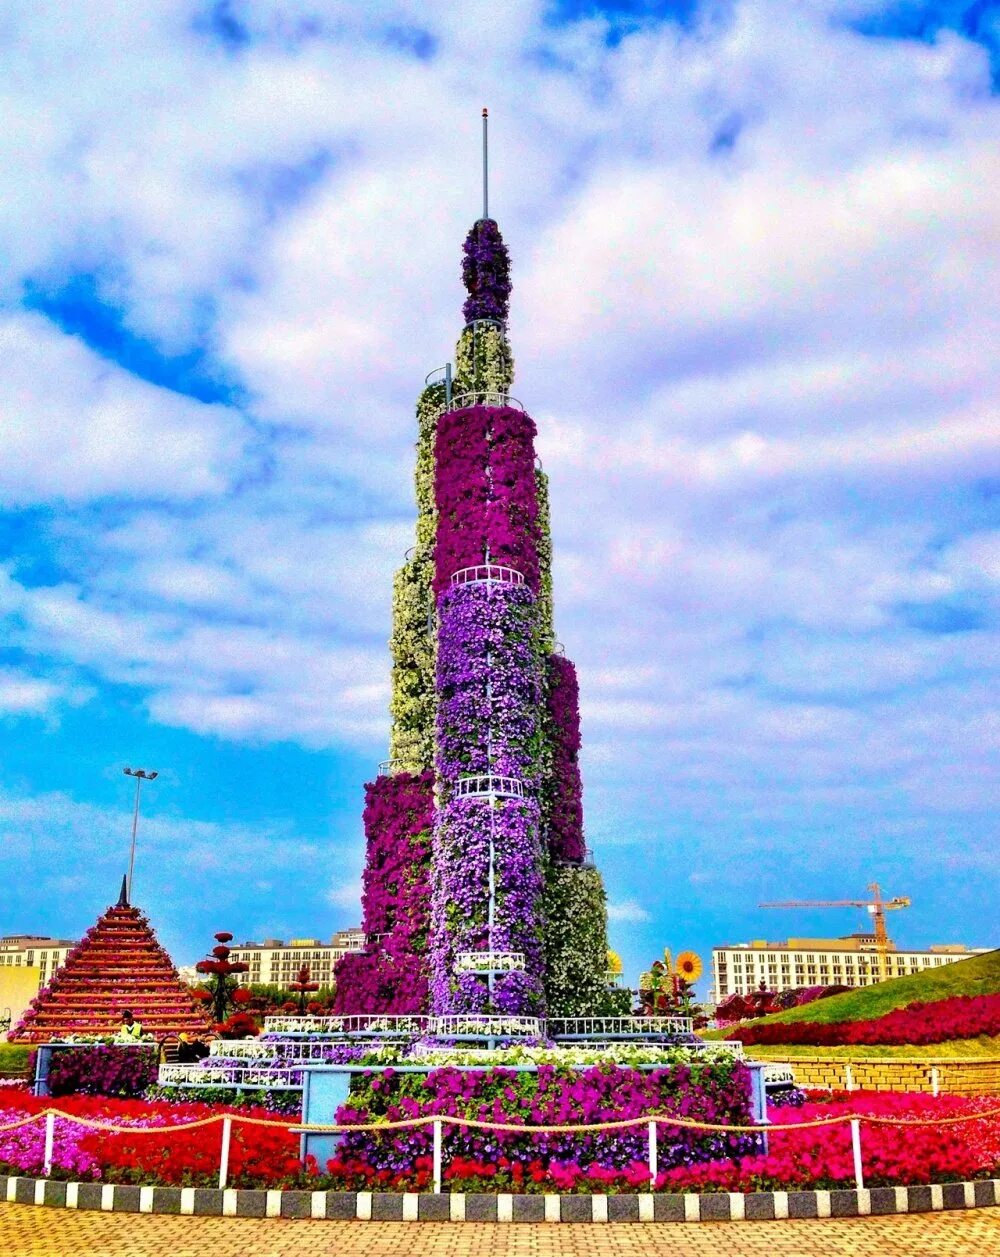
476,1207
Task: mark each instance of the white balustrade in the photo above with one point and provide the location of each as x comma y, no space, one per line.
482,397
487,574
482,1026
489,962
489,786
616,1027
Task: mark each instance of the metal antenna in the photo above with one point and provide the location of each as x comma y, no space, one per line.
486,167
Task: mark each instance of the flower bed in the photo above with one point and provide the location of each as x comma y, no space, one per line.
103,1071
959,1017
712,1090
815,1157
258,1154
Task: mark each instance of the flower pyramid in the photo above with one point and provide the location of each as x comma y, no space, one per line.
478,893
117,965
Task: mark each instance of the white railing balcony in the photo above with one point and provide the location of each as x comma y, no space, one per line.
357,1024
489,962
483,1026
617,1027
230,1076
476,324
482,397
389,767
487,574
489,787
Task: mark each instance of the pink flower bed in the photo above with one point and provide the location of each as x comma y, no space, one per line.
958,1017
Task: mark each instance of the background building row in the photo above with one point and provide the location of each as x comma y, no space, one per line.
851,960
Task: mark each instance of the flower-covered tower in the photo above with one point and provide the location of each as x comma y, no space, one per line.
479,896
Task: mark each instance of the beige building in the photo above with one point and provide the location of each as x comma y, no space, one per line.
739,968
275,961
34,951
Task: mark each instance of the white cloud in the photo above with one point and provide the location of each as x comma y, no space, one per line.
74,427
629,911
764,379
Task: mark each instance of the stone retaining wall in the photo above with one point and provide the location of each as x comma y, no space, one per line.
953,1077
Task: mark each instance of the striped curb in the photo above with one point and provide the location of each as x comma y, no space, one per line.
478,1207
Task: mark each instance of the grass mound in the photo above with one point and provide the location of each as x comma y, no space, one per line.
978,976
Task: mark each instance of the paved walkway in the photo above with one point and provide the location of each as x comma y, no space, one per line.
29,1231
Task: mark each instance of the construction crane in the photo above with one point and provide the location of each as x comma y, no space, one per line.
876,906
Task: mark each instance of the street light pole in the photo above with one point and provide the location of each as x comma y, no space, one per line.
140,775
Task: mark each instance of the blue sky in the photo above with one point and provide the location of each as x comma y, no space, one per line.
755,318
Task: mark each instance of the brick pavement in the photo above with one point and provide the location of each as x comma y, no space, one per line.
30,1231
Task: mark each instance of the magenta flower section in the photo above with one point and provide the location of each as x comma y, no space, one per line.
489,689
391,974
565,837
485,492
486,273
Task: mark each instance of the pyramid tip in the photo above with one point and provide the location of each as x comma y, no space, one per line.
123,895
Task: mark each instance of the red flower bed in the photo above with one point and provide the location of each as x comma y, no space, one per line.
267,1156
258,1154
958,1017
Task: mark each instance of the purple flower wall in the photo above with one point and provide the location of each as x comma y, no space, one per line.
489,692
391,975
485,492
489,688
486,273
565,837
460,904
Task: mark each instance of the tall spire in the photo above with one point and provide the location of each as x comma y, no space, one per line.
123,895
486,164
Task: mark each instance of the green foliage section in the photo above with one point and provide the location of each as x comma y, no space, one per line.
545,630
483,361
576,944
412,645
986,1047
14,1058
978,976
412,705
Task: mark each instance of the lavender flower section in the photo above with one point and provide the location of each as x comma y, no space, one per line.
486,273
489,691
460,912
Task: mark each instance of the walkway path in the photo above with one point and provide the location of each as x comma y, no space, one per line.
30,1231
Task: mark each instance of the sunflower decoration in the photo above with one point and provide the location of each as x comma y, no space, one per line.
689,966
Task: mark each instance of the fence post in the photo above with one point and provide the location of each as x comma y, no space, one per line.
227,1130
935,1080
653,1163
848,1077
50,1134
437,1156
856,1149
